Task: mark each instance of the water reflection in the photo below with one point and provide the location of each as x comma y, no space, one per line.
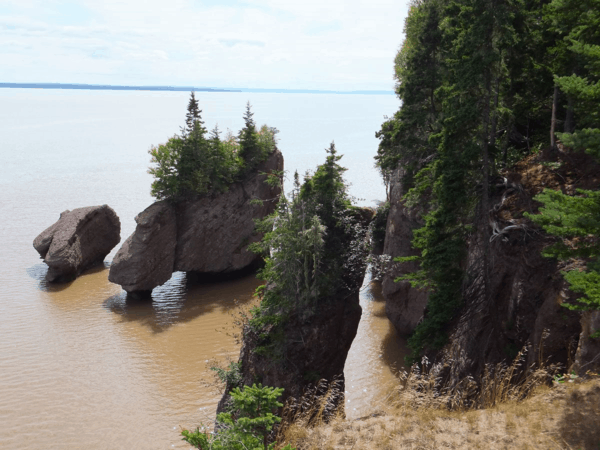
375,356
38,273
181,300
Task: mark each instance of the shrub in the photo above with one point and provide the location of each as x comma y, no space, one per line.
246,426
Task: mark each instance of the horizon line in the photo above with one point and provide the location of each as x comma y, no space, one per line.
110,87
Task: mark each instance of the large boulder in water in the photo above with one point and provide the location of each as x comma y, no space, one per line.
79,240
205,235
145,260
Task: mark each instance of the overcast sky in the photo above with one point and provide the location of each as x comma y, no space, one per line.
302,44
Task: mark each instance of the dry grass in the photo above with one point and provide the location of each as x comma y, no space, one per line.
503,410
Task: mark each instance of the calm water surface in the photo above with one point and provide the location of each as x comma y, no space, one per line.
81,366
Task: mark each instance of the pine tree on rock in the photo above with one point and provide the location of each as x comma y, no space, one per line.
250,151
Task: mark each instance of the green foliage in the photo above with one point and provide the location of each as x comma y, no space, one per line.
248,424
254,146
378,225
196,164
312,245
232,376
166,158
469,105
576,220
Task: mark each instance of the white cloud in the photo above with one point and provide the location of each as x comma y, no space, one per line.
327,44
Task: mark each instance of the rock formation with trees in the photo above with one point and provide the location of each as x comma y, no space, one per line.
210,191
485,84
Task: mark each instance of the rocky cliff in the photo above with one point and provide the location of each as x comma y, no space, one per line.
315,348
313,342
206,235
526,290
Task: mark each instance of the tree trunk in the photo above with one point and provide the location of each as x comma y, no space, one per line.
553,121
485,201
495,121
569,122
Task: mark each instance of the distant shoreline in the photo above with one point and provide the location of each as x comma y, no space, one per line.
107,87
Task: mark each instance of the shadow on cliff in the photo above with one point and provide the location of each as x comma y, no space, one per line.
182,299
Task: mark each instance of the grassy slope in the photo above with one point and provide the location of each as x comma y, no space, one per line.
566,416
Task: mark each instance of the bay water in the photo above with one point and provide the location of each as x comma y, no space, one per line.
81,366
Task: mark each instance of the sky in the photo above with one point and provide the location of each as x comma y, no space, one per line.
277,44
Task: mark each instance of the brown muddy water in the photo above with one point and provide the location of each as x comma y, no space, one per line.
82,366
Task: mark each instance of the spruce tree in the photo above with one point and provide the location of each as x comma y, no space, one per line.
575,220
249,148
194,177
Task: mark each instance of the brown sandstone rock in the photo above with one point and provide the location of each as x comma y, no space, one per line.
146,258
523,303
314,344
78,240
315,349
213,232
404,304
207,235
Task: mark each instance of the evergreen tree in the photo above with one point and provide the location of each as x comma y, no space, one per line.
314,243
193,176
196,164
576,219
193,119
455,75
249,149
247,426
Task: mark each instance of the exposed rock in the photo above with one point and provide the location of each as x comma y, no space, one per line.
146,258
587,357
404,304
79,240
207,235
523,309
213,233
314,349
525,291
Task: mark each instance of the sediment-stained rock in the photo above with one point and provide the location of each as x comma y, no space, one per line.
146,258
80,239
315,349
313,344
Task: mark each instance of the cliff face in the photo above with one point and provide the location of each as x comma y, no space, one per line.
404,305
315,348
207,235
523,305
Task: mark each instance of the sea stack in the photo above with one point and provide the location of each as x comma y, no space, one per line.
80,239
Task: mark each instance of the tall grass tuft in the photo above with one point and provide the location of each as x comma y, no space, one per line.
428,385
319,404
